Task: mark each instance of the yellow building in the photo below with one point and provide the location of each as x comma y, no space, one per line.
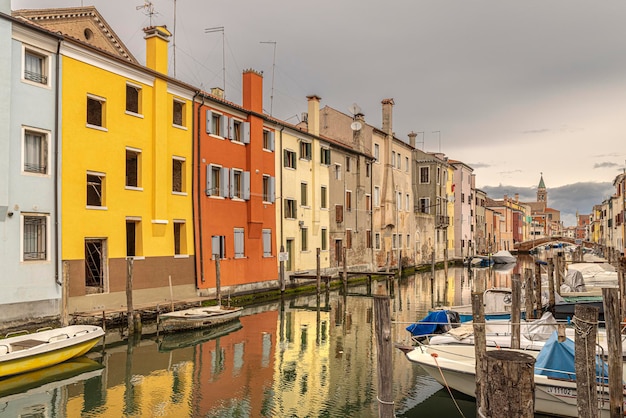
450,230
302,212
126,166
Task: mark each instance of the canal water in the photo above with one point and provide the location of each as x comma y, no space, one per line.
300,357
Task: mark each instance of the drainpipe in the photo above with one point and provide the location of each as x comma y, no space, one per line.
282,206
196,160
56,167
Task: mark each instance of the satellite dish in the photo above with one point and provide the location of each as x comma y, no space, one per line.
354,109
356,126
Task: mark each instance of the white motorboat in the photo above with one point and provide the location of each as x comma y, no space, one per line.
503,257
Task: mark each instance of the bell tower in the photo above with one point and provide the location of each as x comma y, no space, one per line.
542,193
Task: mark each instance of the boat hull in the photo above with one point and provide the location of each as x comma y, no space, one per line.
46,348
197,318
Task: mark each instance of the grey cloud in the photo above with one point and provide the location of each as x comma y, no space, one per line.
605,164
536,131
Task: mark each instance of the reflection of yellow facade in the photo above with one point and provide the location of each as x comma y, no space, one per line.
161,393
302,369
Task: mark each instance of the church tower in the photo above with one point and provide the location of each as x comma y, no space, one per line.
542,193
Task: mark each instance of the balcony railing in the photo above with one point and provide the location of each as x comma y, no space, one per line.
442,221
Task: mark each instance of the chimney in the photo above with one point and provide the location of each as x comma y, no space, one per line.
253,90
218,92
387,116
314,114
157,38
412,136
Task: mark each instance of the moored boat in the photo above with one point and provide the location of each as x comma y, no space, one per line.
27,352
173,341
195,318
503,257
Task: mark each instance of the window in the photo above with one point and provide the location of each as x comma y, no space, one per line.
393,159
337,172
348,238
218,246
267,243
289,158
376,196
268,189
348,165
368,203
303,194
304,236
399,161
368,170
180,238
268,140
338,213
35,152
133,99
95,111
133,163
239,243
236,183
406,164
394,241
325,156
95,265
368,238
348,200
35,67
178,175
324,238
35,234
218,124
217,180
462,197
407,203
424,174
438,175
408,241
377,241
95,189
290,209
425,205
324,197
178,109
377,152
235,130
133,237
305,150
399,201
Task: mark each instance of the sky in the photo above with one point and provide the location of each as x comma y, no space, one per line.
514,89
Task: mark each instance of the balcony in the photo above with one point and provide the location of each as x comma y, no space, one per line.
442,222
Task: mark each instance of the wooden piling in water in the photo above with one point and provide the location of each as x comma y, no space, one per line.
480,345
538,304
509,384
551,291
281,270
621,275
382,318
528,293
345,269
586,326
129,296
318,271
218,280
610,297
516,317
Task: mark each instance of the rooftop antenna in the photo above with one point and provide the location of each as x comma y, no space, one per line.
220,29
273,67
174,39
422,141
355,110
148,8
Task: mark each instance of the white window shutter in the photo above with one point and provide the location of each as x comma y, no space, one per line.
223,126
231,128
245,132
272,190
231,189
271,141
224,180
246,185
209,121
215,246
209,180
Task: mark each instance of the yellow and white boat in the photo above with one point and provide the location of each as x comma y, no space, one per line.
28,352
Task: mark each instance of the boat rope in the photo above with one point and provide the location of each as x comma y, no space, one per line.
385,402
434,356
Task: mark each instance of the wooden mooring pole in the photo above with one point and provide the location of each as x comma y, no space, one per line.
610,297
344,275
218,280
510,384
586,326
528,293
621,274
382,316
281,271
538,304
480,343
516,316
129,295
318,271
552,296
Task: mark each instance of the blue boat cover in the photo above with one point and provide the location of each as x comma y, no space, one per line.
557,360
428,325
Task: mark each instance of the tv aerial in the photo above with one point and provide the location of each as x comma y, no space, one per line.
355,109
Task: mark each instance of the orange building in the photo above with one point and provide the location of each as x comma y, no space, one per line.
234,176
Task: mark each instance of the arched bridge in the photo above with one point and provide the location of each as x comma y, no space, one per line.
526,246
